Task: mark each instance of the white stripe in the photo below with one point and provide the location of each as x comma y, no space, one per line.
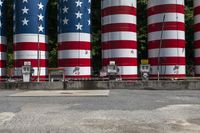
70,54
167,34
43,71
197,69
114,36
196,3
119,18
3,56
109,3
167,52
30,55
67,37
18,38
152,3
197,36
71,71
120,53
128,70
168,70
197,52
2,71
197,19
3,40
169,17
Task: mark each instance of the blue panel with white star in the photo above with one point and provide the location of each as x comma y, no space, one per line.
74,16
3,18
30,16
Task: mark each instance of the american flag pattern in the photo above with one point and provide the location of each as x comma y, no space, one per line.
166,38
119,39
30,36
3,39
197,36
74,38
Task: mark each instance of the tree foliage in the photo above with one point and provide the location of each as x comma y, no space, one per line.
96,32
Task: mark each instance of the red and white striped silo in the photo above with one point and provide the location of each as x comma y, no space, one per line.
119,37
197,36
166,38
30,37
74,38
3,39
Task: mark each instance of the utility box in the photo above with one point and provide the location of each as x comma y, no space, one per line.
145,70
27,71
112,70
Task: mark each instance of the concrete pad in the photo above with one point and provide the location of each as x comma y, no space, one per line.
62,93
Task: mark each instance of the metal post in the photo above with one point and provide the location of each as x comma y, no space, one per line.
38,50
161,38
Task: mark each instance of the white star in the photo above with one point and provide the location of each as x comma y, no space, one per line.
89,22
89,1
25,22
40,17
41,28
40,6
89,10
25,1
1,3
78,15
79,26
65,21
78,3
65,9
25,10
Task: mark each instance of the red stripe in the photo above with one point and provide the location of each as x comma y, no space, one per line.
3,63
118,10
121,61
165,8
119,45
166,44
30,46
197,44
197,27
197,60
167,26
2,78
167,61
74,45
34,78
34,62
197,10
119,27
169,75
129,77
3,48
79,77
74,62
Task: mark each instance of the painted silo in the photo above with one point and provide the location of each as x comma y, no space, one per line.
166,38
3,40
119,39
197,36
74,38
30,36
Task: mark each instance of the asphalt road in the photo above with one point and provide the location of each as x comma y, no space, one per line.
123,111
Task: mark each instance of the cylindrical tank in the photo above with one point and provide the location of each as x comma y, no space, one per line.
3,40
166,38
197,36
74,38
30,36
119,39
